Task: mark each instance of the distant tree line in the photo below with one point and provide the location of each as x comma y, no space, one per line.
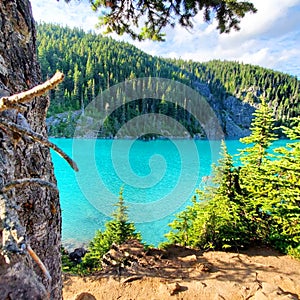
93,63
249,83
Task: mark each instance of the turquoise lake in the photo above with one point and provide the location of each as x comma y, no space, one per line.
158,177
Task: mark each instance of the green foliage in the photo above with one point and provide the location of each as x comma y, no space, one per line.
257,202
93,63
69,266
285,205
216,219
271,183
123,17
118,230
256,176
249,83
295,252
262,135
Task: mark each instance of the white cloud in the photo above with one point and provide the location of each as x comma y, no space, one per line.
73,14
274,18
270,38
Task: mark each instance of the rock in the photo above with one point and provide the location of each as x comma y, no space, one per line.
124,255
287,283
259,295
63,124
85,296
237,117
269,288
77,255
206,267
250,290
175,288
219,297
270,291
189,258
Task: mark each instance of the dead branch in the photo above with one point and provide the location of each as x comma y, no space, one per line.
12,101
38,261
26,181
132,278
38,138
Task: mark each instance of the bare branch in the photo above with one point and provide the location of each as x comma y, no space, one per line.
26,181
12,101
38,261
38,138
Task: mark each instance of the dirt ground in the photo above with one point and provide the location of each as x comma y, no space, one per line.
258,273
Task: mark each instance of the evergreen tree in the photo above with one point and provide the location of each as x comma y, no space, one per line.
285,207
256,202
118,230
256,177
216,220
181,232
261,137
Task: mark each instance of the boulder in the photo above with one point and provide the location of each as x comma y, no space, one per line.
77,254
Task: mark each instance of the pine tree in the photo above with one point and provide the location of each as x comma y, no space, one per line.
217,219
181,232
285,207
88,60
256,177
118,230
262,135
257,202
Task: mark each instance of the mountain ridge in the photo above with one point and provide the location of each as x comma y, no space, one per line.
93,63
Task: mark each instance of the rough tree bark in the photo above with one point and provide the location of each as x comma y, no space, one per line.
29,215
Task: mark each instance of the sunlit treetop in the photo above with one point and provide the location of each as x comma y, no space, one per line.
146,19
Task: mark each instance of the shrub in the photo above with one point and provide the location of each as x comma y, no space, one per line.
118,230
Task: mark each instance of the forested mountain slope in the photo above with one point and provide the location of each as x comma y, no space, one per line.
93,63
248,83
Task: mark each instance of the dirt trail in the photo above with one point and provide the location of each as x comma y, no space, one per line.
258,273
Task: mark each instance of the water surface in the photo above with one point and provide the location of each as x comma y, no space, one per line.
158,177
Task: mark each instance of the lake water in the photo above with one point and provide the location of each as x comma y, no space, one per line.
158,177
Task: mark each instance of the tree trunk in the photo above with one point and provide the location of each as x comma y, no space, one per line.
29,215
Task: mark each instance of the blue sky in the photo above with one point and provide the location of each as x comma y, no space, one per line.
270,38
